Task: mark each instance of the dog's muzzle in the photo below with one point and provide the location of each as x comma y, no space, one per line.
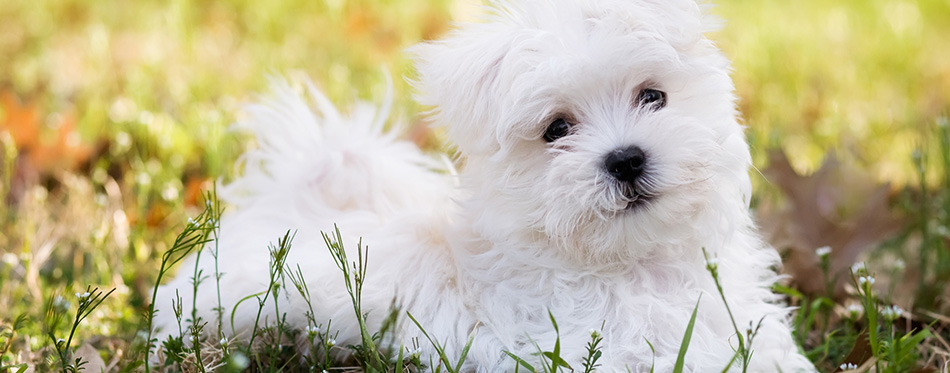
628,166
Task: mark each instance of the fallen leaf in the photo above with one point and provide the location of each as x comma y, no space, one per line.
194,189
63,150
860,354
89,354
21,120
840,206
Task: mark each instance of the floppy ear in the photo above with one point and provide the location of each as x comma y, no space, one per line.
459,77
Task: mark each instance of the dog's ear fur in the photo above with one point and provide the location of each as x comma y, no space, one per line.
458,77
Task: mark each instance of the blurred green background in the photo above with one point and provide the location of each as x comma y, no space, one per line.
869,77
114,114
863,75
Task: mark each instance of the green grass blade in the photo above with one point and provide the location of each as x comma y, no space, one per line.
652,358
20,368
731,361
556,361
681,356
521,361
468,345
438,348
398,368
234,309
555,355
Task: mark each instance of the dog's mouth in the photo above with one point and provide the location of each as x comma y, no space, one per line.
638,200
632,197
637,197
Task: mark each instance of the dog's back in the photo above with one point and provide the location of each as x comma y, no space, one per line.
311,169
312,156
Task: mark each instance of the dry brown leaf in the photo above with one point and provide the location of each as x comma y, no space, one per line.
90,355
44,155
21,120
194,187
839,206
860,354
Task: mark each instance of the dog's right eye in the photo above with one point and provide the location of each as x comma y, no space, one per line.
558,129
653,98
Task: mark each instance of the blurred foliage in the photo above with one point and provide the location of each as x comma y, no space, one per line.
167,72
864,76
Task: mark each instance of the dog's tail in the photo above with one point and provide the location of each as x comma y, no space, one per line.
312,158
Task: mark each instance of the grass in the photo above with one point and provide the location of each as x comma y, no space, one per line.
113,121
88,301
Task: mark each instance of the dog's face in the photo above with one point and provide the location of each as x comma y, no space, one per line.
603,125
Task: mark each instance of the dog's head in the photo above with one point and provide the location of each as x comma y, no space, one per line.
604,126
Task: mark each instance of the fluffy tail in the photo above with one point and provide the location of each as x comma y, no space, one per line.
312,158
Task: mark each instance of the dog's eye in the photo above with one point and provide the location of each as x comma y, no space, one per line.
654,98
558,129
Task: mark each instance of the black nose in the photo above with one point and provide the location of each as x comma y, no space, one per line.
626,164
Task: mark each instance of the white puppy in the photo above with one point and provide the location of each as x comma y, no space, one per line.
600,153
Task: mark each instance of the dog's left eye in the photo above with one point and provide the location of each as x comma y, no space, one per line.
654,98
557,129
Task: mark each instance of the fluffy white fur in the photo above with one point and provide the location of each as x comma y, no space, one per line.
527,226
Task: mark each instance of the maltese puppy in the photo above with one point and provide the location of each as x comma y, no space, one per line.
600,155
